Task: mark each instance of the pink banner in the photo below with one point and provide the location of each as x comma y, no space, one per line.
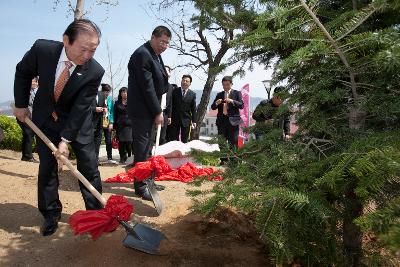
244,113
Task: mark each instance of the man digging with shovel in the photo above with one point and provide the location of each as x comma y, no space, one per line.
69,78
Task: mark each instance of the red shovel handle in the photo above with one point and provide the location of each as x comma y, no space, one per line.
64,160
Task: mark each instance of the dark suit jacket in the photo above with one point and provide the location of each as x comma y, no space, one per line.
183,108
168,109
233,108
97,116
74,107
147,82
121,119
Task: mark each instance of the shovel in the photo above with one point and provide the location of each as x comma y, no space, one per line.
139,236
158,204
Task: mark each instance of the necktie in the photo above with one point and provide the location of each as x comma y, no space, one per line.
225,107
60,84
183,93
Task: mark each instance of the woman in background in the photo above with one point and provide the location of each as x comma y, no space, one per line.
123,125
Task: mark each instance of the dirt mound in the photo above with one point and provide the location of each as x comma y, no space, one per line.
226,239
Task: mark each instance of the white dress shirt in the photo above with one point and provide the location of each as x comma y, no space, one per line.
61,66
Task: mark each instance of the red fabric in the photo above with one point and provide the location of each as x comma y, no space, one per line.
164,172
97,222
114,143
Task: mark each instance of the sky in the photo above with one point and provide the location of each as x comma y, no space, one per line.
124,28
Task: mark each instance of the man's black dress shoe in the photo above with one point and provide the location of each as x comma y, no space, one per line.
50,225
144,193
33,160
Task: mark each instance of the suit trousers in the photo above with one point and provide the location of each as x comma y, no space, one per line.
230,132
27,140
177,129
143,135
125,150
107,139
48,199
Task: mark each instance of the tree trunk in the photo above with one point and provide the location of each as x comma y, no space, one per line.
356,118
78,12
353,208
202,107
354,5
352,235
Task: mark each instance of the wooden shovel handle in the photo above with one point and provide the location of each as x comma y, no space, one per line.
64,160
163,104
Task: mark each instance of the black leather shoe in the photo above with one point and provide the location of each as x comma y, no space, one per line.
50,225
144,193
33,160
159,187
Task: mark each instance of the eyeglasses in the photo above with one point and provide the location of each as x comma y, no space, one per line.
163,43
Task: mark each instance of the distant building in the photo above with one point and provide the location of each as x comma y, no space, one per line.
209,127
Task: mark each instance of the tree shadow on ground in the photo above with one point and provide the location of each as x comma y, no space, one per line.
4,157
14,174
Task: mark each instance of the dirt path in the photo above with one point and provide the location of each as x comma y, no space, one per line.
194,240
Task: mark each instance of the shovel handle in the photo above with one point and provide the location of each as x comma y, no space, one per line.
163,104
68,163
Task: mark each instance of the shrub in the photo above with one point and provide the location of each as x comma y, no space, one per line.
12,133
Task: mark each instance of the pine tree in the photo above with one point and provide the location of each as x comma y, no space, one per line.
315,196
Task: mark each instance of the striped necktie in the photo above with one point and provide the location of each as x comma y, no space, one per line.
60,84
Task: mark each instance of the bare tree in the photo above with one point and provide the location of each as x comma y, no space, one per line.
78,9
116,73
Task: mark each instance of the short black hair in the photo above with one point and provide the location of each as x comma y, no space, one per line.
187,76
227,78
160,30
80,26
105,87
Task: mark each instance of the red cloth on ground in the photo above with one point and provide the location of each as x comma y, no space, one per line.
164,172
97,222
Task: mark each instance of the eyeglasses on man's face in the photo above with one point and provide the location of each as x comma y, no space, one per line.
163,43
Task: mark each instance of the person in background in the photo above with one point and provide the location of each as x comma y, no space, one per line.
99,108
27,133
147,82
183,110
69,79
108,121
228,103
265,113
123,125
165,129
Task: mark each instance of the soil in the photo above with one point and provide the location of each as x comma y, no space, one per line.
227,239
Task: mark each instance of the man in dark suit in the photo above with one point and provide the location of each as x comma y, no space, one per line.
228,103
147,82
27,133
69,78
183,110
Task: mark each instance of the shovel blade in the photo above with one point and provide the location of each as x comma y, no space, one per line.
144,238
158,204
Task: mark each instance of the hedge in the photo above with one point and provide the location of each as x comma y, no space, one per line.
12,133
